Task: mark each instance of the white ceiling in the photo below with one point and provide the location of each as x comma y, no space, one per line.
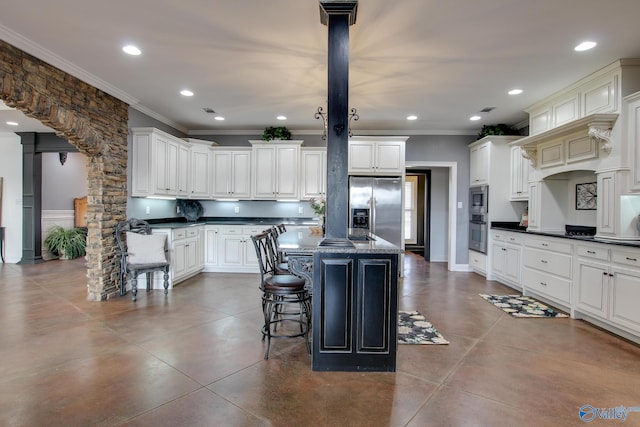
251,60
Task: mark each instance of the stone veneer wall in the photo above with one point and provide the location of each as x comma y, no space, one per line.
95,123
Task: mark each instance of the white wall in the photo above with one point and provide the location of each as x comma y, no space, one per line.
11,171
62,183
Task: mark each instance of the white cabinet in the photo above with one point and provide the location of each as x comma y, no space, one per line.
186,253
625,298
236,253
377,156
160,164
231,173
548,269
200,176
592,280
633,137
313,173
607,203
479,164
276,170
478,262
506,252
211,233
519,175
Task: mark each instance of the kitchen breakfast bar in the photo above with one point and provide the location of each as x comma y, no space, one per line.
355,299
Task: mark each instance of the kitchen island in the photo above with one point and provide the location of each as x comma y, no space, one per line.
355,300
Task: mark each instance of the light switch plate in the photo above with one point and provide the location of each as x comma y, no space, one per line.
300,209
237,209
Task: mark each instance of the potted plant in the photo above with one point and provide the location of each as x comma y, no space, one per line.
499,129
67,243
280,132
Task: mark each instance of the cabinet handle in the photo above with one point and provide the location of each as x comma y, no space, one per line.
631,259
610,275
545,244
543,284
543,261
504,249
591,252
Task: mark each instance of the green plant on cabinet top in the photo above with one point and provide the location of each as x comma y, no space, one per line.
281,133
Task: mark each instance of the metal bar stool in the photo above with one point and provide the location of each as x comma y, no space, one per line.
285,299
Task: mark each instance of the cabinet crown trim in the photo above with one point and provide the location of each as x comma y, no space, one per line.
596,126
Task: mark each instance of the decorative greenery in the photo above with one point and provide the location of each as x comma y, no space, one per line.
318,205
67,243
499,129
280,132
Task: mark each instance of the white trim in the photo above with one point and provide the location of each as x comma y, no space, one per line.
453,201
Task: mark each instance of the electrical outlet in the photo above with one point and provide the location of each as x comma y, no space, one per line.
177,209
300,210
237,209
148,210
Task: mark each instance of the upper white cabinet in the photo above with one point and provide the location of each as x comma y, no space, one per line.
276,170
231,173
377,155
519,175
160,164
313,166
633,136
200,176
479,163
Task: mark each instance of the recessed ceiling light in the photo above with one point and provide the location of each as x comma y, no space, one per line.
186,92
12,123
281,117
412,117
515,92
474,118
131,50
585,46
219,118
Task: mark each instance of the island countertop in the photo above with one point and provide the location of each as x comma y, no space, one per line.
306,242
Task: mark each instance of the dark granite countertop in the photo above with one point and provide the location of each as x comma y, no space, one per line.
515,227
181,222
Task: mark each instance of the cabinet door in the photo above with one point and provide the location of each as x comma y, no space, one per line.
182,172
606,213
241,174
232,250
512,264
191,255
221,174
389,158
498,259
250,256
479,164
286,170
142,166
199,177
314,173
592,287
534,206
361,157
264,163
625,294
211,247
162,154
179,260
519,175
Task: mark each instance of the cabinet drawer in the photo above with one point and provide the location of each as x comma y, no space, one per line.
548,245
595,252
554,287
251,231
179,233
626,257
478,260
192,232
502,236
554,263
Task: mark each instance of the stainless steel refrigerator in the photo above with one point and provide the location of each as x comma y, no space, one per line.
375,204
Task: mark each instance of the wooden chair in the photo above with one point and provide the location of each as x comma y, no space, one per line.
140,253
281,293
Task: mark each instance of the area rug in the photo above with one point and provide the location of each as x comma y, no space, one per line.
413,328
521,306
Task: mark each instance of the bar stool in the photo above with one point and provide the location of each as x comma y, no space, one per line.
285,299
281,265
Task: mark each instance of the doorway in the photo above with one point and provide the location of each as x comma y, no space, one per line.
418,212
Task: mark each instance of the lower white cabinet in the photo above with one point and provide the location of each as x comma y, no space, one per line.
235,250
185,252
478,262
211,233
625,298
506,249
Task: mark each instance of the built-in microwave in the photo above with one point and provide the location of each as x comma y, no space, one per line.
479,199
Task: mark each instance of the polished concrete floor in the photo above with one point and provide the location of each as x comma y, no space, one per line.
194,358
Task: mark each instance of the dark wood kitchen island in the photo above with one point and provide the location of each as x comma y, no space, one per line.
355,301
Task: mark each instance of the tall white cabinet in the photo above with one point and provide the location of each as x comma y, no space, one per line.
313,164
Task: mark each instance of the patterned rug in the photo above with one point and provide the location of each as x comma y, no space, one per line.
413,328
521,306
